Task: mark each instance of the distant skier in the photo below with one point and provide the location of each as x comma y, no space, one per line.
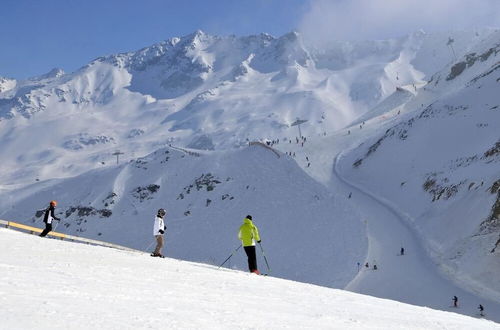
49,217
481,310
402,251
158,231
375,267
249,234
367,265
455,301
350,194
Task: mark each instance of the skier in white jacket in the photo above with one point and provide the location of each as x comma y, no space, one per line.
158,231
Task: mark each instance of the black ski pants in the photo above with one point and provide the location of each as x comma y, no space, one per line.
48,228
252,258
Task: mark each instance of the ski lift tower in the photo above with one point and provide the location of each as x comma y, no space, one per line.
450,43
117,153
297,123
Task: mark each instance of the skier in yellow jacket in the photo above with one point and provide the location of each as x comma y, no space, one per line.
249,234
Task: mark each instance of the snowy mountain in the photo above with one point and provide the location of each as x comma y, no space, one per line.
400,150
227,89
80,287
439,165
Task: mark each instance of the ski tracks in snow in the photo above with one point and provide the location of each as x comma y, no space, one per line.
413,278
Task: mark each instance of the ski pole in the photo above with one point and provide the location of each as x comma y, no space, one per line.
146,249
230,256
57,224
265,259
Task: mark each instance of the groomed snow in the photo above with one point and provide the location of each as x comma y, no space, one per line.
51,284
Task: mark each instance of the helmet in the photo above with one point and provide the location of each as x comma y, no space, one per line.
162,212
249,217
53,203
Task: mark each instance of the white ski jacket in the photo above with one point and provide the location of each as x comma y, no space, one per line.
159,225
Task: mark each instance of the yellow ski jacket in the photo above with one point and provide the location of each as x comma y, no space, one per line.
249,234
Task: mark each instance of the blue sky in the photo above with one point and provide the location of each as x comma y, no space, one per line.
38,35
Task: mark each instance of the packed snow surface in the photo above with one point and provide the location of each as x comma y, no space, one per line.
51,284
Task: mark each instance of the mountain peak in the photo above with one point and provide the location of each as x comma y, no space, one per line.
197,35
291,36
54,73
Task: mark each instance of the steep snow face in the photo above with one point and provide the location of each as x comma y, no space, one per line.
308,234
226,88
170,69
439,165
115,289
93,85
83,112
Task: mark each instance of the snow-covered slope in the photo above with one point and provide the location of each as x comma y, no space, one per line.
415,277
50,284
207,197
439,166
227,89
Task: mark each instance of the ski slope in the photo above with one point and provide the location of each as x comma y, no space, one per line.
51,284
309,234
415,278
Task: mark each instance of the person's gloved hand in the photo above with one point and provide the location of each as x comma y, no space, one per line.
259,241
162,232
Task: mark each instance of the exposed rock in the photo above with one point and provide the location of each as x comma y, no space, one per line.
146,192
83,140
